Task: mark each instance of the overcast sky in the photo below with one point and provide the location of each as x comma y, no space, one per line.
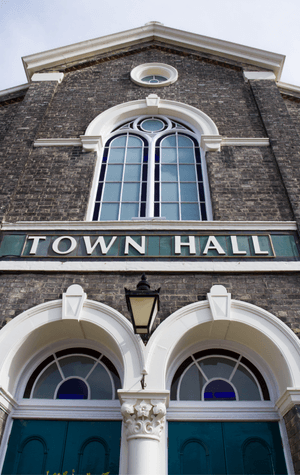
32,26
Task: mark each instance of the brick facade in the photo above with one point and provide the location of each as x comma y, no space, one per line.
257,183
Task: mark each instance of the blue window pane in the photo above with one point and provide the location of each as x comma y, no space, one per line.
187,173
169,141
114,173
131,192
190,212
169,173
109,212
186,155
184,141
129,211
170,211
245,384
134,142
112,192
134,155
116,155
168,155
119,141
169,192
152,125
132,173
73,389
217,367
219,390
191,385
189,192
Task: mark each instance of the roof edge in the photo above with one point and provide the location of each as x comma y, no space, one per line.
156,31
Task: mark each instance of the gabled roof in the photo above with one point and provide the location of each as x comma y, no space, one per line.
153,31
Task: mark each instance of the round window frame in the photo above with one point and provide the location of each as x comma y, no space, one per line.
157,69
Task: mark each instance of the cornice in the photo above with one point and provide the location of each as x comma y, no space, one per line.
153,31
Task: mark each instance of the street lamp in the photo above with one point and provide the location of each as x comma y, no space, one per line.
143,305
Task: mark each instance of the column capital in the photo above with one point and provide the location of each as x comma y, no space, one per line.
144,413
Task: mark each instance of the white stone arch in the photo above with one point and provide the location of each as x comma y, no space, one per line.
72,318
105,122
224,320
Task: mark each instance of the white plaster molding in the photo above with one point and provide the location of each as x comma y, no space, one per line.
12,90
254,266
220,302
69,142
288,87
144,413
152,102
258,75
58,77
211,143
150,69
91,143
179,410
153,31
104,123
208,142
245,142
7,402
155,225
73,300
288,400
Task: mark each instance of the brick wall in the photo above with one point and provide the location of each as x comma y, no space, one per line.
277,293
292,421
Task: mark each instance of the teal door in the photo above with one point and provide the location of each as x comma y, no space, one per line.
249,448
38,447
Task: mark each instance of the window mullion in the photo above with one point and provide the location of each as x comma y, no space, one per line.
150,179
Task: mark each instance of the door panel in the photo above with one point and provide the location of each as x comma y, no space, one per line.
230,448
36,447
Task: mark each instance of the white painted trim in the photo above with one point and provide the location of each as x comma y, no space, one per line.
245,142
126,265
72,142
7,402
179,410
208,143
288,400
58,77
156,224
105,122
42,409
153,31
11,90
158,69
288,87
258,75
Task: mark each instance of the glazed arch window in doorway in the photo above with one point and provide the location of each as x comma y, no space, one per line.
218,375
152,168
74,374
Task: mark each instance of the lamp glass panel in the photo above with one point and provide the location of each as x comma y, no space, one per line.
141,309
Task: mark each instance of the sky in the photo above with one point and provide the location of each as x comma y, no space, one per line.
33,26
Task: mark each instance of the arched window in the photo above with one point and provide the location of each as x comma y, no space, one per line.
152,167
75,373
218,375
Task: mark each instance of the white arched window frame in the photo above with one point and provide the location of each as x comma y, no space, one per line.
104,126
152,167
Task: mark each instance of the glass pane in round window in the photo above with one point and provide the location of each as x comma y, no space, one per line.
46,384
152,125
216,367
100,383
154,79
245,385
219,390
76,365
73,389
191,385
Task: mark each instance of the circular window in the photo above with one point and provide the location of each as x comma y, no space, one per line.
152,125
154,75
